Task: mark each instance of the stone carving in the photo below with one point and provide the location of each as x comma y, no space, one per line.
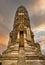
21,45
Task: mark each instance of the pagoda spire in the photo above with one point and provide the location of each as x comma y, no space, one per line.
21,28
21,37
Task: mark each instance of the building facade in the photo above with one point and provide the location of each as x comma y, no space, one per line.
22,50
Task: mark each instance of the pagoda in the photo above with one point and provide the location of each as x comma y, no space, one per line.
22,49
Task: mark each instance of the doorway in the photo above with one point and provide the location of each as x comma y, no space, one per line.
21,39
0,63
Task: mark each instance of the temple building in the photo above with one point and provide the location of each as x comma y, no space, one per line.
22,49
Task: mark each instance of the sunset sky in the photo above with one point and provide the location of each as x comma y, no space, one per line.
36,11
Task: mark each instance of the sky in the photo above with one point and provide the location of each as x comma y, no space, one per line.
36,11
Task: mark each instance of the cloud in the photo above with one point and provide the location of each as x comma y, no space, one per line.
39,36
39,28
37,13
42,38
36,10
4,39
4,30
42,42
2,48
38,6
33,6
4,23
43,51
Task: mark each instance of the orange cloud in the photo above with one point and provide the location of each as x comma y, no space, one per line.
3,42
42,4
4,39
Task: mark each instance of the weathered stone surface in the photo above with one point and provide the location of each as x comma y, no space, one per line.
22,50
